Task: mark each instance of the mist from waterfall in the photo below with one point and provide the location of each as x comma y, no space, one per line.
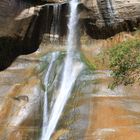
54,56
72,68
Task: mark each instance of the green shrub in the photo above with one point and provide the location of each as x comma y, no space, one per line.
125,62
89,64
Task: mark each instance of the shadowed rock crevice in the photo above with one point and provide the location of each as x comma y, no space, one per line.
107,11
11,47
105,32
108,24
54,21
99,22
9,50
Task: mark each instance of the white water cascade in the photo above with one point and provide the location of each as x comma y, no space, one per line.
71,70
45,106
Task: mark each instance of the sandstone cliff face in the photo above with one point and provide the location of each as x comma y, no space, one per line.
108,17
10,25
16,15
23,24
19,26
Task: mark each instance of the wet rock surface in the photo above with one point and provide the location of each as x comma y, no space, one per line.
23,27
22,91
114,113
20,101
106,18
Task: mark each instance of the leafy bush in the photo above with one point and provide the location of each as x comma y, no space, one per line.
87,62
125,62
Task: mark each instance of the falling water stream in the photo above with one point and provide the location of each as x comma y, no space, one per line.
55,23
46,81
72,68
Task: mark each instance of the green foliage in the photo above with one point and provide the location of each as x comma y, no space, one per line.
90,65
125,62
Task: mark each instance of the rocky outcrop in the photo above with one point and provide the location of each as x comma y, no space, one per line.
23,24
16,17
105,18
22,27
20,100
96,15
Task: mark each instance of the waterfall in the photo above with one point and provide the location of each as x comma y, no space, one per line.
111,11
56,23
70,72
46,82
108,11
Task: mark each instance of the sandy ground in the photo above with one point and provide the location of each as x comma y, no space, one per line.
114,118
